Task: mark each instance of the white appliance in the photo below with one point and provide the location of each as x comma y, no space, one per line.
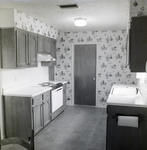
56,101
57,98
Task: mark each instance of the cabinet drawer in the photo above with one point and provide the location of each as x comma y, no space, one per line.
46,95
37,99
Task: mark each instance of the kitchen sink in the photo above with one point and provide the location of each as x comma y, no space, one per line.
124,91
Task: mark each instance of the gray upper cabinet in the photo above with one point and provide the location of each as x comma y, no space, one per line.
138,44
32,49
40,44
19,49
53,50
46,45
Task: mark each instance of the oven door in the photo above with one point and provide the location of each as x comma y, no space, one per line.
57,99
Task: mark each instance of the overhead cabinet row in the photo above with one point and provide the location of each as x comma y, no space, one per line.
19,48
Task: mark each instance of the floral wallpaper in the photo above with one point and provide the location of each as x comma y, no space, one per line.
31,24
111,60
138,10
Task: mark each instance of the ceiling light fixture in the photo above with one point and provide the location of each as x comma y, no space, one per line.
80,22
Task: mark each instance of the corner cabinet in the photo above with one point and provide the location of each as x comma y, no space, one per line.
19,49
138,44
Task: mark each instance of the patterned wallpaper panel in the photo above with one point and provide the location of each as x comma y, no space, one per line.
31,24
111,60
140,9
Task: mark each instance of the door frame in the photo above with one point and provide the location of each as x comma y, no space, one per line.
97,68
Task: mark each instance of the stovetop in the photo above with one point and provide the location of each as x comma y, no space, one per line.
51,84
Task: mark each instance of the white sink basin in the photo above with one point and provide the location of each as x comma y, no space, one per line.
124,91
123,95
126,99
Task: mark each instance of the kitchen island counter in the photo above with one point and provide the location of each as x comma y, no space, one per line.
126,95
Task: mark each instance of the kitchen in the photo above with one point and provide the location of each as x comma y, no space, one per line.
111,65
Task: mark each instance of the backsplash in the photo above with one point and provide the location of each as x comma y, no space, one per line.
13,77
111,60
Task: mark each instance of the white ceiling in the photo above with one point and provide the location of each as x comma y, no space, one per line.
100,14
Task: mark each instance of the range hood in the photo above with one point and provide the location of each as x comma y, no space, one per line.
45,57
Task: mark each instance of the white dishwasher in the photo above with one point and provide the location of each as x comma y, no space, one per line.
56,101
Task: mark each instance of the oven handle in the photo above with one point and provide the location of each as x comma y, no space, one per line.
57,89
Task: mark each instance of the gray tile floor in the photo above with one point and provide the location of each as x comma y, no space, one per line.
77,128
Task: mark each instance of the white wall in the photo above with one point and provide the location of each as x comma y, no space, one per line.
6,18
13,77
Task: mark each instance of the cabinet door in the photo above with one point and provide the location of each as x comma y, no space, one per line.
8,48
38,120
22,49
46,107
46,112
53,50
47,45
138,44
40,44
18,120
32,50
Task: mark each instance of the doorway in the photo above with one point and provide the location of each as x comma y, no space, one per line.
85,74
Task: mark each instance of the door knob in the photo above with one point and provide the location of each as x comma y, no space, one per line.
94,79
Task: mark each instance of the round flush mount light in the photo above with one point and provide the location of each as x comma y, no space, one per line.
80,22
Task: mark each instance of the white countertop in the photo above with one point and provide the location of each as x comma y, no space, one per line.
125,95
30,90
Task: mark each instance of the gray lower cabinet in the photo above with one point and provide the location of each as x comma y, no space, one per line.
19,49
18,117
120,137
37,113
24,117
41,111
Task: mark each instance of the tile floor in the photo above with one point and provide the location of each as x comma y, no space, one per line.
77,128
